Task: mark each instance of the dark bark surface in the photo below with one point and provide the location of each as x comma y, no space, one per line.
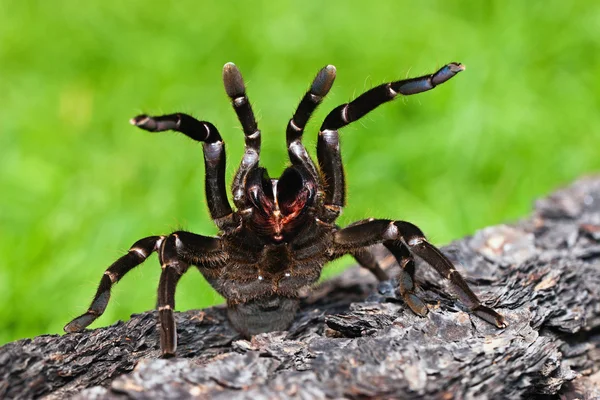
354,339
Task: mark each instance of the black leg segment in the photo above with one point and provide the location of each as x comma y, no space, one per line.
367,260
371,99
311,100
328,145
136,255
200,131
178,251
388,232
172,269
332,171
236,90
214,158
406,278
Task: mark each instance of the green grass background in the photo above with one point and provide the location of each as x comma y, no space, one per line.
78,184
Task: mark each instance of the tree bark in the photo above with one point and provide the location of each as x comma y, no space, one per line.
353,338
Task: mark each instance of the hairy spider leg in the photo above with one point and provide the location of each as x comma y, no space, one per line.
295,128
236,90
172,270
406,278
389,232
173,267
328,145
178,251
137,254
214,158
367,260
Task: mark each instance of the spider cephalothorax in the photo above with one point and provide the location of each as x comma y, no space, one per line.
279,206
273,247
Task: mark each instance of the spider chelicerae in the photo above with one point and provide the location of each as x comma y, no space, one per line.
274,245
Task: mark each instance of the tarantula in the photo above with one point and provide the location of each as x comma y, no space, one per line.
273,247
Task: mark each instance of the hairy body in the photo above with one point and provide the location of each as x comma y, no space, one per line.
272,247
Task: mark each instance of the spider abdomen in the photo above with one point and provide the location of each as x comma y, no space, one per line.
263,294
267,314
269,270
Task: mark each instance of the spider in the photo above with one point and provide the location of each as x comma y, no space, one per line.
273,247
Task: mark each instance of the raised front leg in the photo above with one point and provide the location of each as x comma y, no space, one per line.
328,145
396,233
311,100
214,158
236,90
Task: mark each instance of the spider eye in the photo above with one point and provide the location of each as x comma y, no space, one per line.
294,193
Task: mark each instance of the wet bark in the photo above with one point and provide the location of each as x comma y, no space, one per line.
354,339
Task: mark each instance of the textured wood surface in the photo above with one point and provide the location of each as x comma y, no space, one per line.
354,339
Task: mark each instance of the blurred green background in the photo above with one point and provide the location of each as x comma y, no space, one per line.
79,185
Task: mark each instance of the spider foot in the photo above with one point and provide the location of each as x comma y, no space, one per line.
489,315
80,323
166,355
417,305
447,72
157,123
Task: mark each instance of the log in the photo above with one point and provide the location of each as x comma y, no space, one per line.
353,338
